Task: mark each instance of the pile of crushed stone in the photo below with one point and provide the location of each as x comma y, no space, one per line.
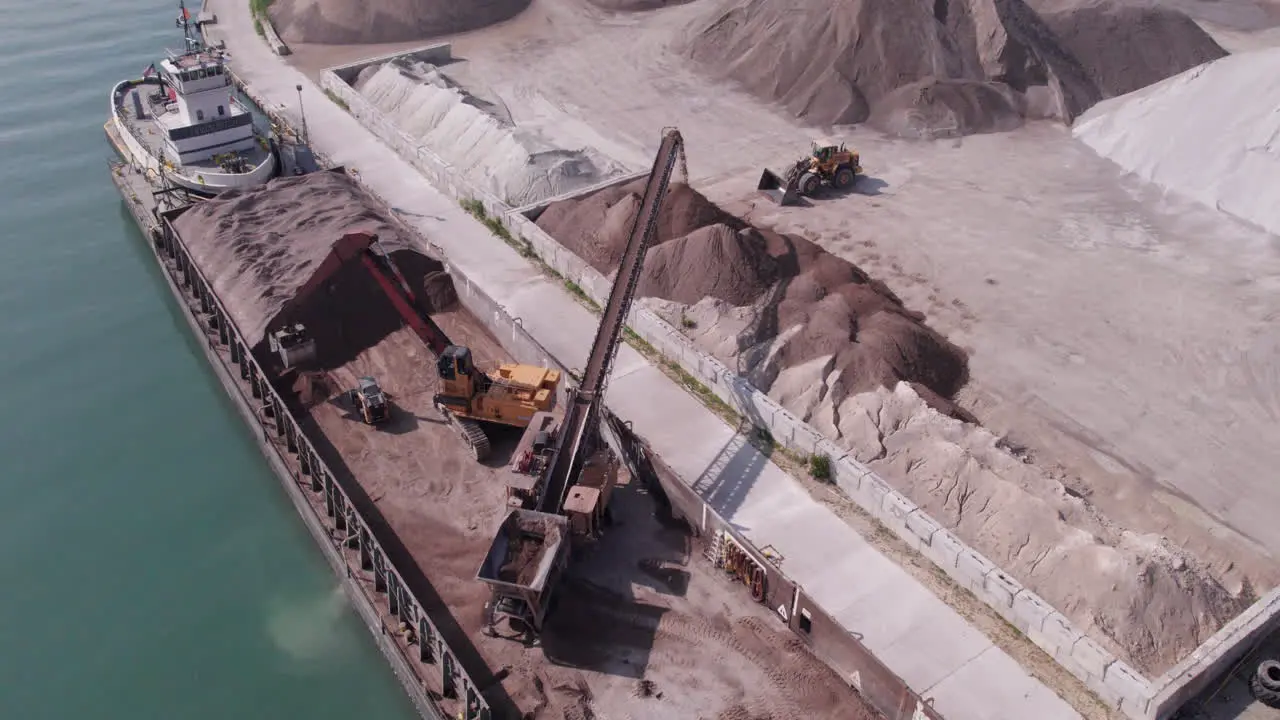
941,68
476,138
259,246
355,22
804,303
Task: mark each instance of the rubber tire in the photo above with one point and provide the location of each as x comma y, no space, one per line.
844,178
1260,692
1268,675
809,184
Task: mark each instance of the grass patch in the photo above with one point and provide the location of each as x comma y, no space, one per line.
581,295
475,209
258,9
820,467
337,100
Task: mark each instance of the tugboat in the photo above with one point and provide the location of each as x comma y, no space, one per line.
181,121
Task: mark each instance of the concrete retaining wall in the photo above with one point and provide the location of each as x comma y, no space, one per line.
269,34
1114,681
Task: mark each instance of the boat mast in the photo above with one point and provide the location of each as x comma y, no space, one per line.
184,21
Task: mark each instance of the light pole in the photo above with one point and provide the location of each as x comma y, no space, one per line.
306,136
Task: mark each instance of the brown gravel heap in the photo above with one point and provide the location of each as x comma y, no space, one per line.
352,22
825,305
943,67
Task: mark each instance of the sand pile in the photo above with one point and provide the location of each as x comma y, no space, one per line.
476,138
838,350
942,67
262,245
636,5
1211,134
342,22
1146,600
791,301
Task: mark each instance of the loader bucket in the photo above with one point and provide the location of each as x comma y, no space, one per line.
771,186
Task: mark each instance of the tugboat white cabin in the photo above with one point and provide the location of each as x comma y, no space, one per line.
181,119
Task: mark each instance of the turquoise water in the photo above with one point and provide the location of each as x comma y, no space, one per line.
150,565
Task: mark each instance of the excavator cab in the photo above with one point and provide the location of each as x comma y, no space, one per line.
457,373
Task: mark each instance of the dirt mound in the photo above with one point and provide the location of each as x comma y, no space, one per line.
838,62
263,244
1145,599
636,5
1124,47
713,261
351,22
595,228
948,108
804,303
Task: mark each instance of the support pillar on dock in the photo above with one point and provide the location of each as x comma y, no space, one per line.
290,438
329,504
316,485
223,336
393,595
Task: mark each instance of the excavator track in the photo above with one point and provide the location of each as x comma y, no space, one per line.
473,435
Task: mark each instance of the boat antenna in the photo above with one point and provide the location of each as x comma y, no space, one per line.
184,22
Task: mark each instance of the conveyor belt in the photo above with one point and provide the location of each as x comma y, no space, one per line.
577,432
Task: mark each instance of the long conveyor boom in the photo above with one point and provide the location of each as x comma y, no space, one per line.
577,431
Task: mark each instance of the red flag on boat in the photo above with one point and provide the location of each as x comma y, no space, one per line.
151,70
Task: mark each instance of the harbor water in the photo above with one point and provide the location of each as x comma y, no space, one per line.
150,564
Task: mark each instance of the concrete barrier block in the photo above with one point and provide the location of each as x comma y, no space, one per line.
998,591
1057,635
1092,657
870,495
944,550
897,507
848,476
971,570
1133,689
1029,611
923,527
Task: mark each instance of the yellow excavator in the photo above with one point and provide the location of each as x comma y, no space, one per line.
468,395
508,396
830,163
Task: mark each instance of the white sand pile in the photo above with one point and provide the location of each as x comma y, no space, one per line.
343,22
491,153
258,246
1211,134
942,67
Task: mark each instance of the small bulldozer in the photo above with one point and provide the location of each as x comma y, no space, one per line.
370,401
830,163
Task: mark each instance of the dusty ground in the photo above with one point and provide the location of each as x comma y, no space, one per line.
1119,337
642,606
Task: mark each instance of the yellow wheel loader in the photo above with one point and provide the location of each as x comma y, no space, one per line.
830,164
